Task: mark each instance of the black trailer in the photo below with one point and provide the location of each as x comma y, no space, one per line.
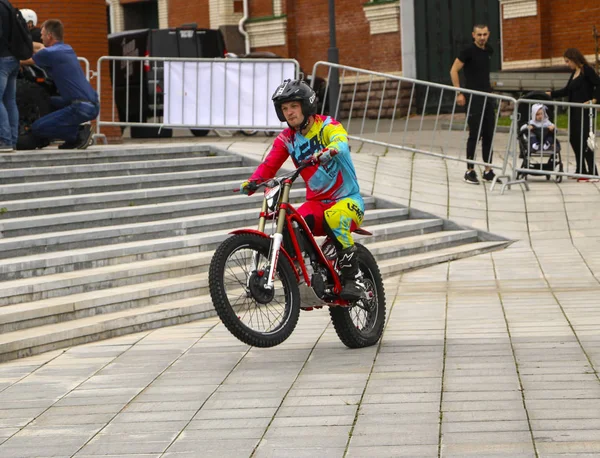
139,86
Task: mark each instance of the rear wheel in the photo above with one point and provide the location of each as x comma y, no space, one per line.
238,274
362,324
33,102
200,132
559,178
149,132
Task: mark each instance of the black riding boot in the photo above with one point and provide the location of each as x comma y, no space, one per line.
352,285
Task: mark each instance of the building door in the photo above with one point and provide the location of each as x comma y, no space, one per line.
443,28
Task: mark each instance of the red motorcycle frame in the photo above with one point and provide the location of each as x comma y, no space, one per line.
255,272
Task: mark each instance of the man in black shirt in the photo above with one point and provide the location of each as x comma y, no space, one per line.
475,61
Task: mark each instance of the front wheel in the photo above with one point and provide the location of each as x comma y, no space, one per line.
362,324
238,274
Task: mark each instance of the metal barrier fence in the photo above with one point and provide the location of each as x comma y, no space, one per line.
86,67
198,94
564,150
400,113
385,110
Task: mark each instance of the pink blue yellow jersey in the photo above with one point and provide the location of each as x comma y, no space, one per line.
329,182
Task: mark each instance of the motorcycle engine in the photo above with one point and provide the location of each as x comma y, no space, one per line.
319,282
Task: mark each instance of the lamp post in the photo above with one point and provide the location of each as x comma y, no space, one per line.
333,56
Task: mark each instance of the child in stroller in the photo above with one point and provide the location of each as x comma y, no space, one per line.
541,129
537,138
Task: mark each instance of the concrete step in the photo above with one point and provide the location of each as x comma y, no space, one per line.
110,241
56,279
111,276
75,306
115,169
76,319
421,243
51,263
22,343
48,263
53,156
97,236
20,191
103,200
403,228
100,278
100,236
395,266
28,225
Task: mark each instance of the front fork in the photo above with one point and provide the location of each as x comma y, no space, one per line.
277,236
277,240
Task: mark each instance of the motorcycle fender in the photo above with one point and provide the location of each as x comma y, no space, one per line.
262,234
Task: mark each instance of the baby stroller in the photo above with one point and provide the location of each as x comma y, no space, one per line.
541,158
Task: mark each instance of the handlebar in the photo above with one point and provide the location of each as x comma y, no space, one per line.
254,186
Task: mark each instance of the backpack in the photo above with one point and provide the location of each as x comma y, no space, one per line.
19,40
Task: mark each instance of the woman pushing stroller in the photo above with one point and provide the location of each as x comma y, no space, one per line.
583,87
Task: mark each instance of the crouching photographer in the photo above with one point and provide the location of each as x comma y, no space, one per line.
78,101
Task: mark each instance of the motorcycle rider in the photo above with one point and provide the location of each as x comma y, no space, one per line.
31,18
334,205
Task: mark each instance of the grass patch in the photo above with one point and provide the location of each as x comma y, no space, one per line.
504,121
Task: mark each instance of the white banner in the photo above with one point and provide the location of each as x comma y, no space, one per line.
224,94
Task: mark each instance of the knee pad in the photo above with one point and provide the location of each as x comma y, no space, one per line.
329,231
337,226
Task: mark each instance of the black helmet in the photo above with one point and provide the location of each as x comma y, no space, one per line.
291,90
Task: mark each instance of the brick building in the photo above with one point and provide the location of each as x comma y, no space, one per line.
535,33
371,33
300,28
393,36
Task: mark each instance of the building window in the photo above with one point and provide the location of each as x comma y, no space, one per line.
141,15
108,24
238,6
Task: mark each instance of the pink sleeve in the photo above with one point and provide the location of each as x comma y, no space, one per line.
273,162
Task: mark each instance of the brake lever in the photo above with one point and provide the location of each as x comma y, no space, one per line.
310,161
253,187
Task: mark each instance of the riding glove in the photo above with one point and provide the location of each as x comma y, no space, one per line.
325,155
248,187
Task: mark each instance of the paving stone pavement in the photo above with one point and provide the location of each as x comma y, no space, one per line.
491,356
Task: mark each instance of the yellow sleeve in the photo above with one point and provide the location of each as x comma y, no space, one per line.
336,137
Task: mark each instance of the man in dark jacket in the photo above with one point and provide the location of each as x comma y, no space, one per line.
78,101
9,68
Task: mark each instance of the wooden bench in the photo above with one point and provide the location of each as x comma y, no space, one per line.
522,82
